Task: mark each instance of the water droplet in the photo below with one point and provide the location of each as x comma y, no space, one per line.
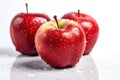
16,78
17,69
31,75
64,70
61,39
58,79
91,72
79,71
64,47
45,68
42,73
23,68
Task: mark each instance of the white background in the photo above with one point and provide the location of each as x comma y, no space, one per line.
105,55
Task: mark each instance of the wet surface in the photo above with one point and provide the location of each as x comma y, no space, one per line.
34,68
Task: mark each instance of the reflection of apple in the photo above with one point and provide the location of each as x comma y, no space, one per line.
23,28
60,43
89,26
33,68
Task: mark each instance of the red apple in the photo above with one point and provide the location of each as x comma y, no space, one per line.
60,45
89,26
23,28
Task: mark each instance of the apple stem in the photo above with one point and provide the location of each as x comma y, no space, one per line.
78,13
26,7
55,17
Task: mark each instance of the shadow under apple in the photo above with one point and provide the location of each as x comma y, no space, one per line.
30,63
34,68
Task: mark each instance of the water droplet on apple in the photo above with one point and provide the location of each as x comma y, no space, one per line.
50,39
61,39
64,47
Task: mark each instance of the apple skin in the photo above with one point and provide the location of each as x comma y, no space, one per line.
89,26
22,30
60,47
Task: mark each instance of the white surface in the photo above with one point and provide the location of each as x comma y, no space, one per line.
102,64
